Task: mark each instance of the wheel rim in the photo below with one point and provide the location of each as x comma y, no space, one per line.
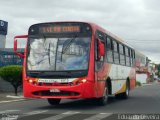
105,95
127,90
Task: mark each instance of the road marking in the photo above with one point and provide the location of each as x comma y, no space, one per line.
35,112
12,96
8,111
11,101
147,84
99,116
60,116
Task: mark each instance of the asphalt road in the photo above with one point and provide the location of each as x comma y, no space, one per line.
142,100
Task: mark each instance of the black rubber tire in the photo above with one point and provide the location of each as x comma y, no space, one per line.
54,101
103,100
125,94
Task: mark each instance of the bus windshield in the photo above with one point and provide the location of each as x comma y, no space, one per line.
58,54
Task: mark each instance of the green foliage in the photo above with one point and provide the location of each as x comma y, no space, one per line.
158,72
159,67
138,83
12,74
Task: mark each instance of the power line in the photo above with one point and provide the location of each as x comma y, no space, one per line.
148,40
136,41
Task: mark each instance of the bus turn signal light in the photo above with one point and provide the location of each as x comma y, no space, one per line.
84,80
80,81
33,81
30,81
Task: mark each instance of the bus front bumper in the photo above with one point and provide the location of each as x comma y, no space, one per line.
83,90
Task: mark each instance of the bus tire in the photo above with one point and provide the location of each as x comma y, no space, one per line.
103,100
125,94
53,101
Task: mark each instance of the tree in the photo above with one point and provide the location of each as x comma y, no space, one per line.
13,75
159,70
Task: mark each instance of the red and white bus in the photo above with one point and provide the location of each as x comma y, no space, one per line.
68,60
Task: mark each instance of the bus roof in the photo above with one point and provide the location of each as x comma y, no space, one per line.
95,26
110,34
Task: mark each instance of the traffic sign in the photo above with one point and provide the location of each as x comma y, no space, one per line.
3,27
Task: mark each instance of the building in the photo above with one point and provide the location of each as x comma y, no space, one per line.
153,70
142,67
8,57
3,33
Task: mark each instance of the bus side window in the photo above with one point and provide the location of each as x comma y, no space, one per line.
129,52
101,36
116,52
98,63
131,57
127,56
122,57
109,48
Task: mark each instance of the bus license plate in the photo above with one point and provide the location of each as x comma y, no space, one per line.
54,90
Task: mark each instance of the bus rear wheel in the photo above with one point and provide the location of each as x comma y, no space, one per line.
103,100
125,94
52,101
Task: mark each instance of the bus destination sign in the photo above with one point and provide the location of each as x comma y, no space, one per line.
59,29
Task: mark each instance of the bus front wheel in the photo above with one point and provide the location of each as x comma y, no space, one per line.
104,99
53,101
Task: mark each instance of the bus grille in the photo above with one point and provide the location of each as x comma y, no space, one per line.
62,93
55,84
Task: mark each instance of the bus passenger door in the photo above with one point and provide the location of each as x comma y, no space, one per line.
99,67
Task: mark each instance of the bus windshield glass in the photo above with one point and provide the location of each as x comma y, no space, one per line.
58,54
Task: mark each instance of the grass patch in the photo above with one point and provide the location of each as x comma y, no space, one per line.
138,83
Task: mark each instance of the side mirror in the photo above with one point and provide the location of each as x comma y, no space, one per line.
15,45
101,49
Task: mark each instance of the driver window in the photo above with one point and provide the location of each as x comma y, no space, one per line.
98,63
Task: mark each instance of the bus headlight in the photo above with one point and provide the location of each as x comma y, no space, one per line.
77,82
84,80
30,81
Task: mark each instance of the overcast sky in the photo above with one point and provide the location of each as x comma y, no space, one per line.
136,21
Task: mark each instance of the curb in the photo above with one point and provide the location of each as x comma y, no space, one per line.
8,101
16,97
147,84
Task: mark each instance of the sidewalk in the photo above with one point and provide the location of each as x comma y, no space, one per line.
10,96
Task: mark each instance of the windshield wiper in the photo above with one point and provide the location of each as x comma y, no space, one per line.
64,49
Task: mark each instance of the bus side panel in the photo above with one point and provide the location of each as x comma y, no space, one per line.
89,90
24,70
91,76
119,75
132,77
102,76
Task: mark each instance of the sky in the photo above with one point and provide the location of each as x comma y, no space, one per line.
135,21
